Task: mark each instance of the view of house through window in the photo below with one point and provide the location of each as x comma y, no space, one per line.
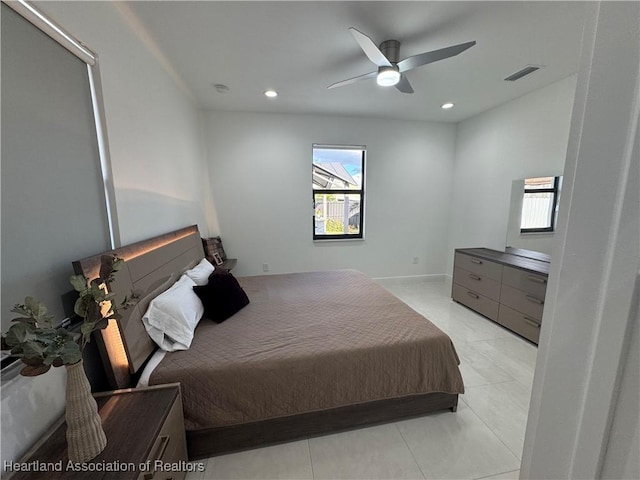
338,192
539,204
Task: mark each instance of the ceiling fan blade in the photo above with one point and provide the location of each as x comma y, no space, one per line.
429,57
370,49
403,85
353,80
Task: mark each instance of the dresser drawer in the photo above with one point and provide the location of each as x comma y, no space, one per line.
520,323
480,266
483,305
524,302
134,420
531,283
170,446
478,283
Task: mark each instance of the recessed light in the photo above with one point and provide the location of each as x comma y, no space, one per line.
271,93
446,106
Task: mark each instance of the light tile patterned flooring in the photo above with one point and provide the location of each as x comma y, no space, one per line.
482,440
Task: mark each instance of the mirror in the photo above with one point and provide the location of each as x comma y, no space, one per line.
533,213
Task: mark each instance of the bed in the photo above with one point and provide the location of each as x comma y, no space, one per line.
311,353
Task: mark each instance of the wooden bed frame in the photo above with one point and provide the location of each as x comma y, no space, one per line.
151,266
214,441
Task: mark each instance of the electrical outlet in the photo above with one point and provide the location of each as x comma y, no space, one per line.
415,260
265,267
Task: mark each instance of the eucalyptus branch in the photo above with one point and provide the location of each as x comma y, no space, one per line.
39,345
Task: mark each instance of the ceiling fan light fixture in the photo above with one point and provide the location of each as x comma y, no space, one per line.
388,76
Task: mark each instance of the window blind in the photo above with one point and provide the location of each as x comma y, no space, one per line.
52,196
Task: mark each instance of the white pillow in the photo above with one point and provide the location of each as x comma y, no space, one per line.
200,273
173,316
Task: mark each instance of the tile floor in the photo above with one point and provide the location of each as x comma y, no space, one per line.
482,440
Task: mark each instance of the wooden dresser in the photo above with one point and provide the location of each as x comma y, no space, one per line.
507,287
145,441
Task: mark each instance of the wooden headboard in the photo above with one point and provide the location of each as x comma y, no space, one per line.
151,266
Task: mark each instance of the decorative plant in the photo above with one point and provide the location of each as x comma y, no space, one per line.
39,345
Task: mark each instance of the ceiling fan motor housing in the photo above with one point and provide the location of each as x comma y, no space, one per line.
391,50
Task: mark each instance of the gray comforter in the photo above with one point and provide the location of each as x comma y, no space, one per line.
308,342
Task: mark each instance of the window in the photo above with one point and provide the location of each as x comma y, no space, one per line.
52,148
338,192
539,204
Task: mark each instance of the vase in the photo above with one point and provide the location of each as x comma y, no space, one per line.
85,436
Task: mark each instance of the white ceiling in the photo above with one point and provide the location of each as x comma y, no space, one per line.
299,48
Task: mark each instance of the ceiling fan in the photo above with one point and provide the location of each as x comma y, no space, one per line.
391,71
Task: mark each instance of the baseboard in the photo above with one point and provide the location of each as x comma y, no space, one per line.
424,278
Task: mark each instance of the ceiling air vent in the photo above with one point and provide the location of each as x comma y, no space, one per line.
522,72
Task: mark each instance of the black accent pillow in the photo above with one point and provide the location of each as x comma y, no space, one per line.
222,296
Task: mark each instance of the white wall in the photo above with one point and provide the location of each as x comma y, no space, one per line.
261,177
621,460
526,137
582,375
153,124
159,173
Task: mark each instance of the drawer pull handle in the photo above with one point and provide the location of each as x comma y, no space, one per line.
533,323
164,442
473,295
537,279
476,261
474,277
535,300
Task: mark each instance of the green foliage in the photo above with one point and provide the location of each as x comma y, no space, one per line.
33,338
333,226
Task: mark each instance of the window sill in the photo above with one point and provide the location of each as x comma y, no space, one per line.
326,240
524,234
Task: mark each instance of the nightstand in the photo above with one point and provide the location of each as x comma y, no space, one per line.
145,440
228,264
